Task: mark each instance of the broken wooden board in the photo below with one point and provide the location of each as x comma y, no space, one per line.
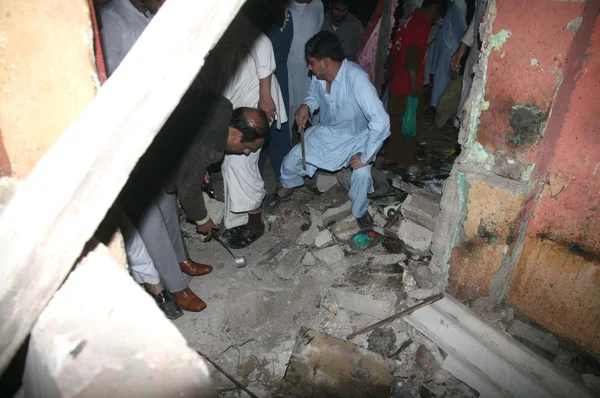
325,366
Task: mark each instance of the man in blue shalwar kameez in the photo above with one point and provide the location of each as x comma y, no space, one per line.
353,125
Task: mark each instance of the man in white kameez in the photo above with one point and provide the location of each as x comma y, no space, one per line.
308,17
353,125
241,68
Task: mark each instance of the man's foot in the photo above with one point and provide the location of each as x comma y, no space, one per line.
193,268
167,304
188,300
244,237
273,200
365,222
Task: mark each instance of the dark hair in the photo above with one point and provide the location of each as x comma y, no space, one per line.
442,5
252,128
324,45
342,2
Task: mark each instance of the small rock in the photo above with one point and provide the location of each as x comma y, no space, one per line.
309,259
417,239
324,238
421,294
308,237
423,276
426,361
384,259
380,306
345,229
539,338
421,209
336,214
326,181
508,314
408,281
290,264
330,255
329,207
378,219
382,341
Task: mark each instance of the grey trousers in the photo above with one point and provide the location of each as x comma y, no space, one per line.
160,231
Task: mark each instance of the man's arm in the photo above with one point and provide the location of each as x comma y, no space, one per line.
412,63
378,128
264,60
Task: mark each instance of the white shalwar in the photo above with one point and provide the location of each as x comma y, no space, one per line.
352,120
307,19
242,57
122,25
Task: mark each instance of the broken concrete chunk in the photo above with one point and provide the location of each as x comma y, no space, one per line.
382,341
309,259
403,387
426,361
324,238
325,181
417,239
539,338
308,237
325,366
290,263
330,255
345,229
336,214
290,224
379,307
421,209
384,259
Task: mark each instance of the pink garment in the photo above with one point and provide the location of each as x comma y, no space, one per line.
367,57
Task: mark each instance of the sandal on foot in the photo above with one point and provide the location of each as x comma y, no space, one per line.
273,200
231,232
243,238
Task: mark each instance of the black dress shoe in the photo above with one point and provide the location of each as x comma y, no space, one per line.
168,304
365,223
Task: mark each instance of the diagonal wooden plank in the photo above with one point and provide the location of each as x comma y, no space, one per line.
59,206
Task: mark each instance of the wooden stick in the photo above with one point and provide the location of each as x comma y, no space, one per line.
303,150
230,377
410,310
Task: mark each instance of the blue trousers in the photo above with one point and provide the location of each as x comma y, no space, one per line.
277,146
361,182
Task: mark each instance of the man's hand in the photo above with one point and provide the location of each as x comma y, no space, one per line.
206,177
457,57
415,90
301,116
355,161
267,104
206,228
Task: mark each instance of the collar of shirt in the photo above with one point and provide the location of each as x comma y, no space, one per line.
339,78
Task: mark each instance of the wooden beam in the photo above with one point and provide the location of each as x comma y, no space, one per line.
59,206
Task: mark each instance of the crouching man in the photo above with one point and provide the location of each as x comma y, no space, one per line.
353,125
201,129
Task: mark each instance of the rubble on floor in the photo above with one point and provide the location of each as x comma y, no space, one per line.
279,325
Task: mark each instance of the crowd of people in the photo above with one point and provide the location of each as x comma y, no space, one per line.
294,66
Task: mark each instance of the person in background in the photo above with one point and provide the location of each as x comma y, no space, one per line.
443,47
280,31
351,130
470,40
241,67
406,64
345,26
307,17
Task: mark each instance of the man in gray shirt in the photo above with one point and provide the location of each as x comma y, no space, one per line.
345,26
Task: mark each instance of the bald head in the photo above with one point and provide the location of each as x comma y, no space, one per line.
248,129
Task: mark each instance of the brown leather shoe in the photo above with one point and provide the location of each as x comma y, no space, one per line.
193,268
188,300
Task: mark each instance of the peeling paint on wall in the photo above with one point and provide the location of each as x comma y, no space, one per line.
497,41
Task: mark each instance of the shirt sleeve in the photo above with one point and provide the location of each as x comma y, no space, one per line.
312,100
112,34
263,56
378,128
469,37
